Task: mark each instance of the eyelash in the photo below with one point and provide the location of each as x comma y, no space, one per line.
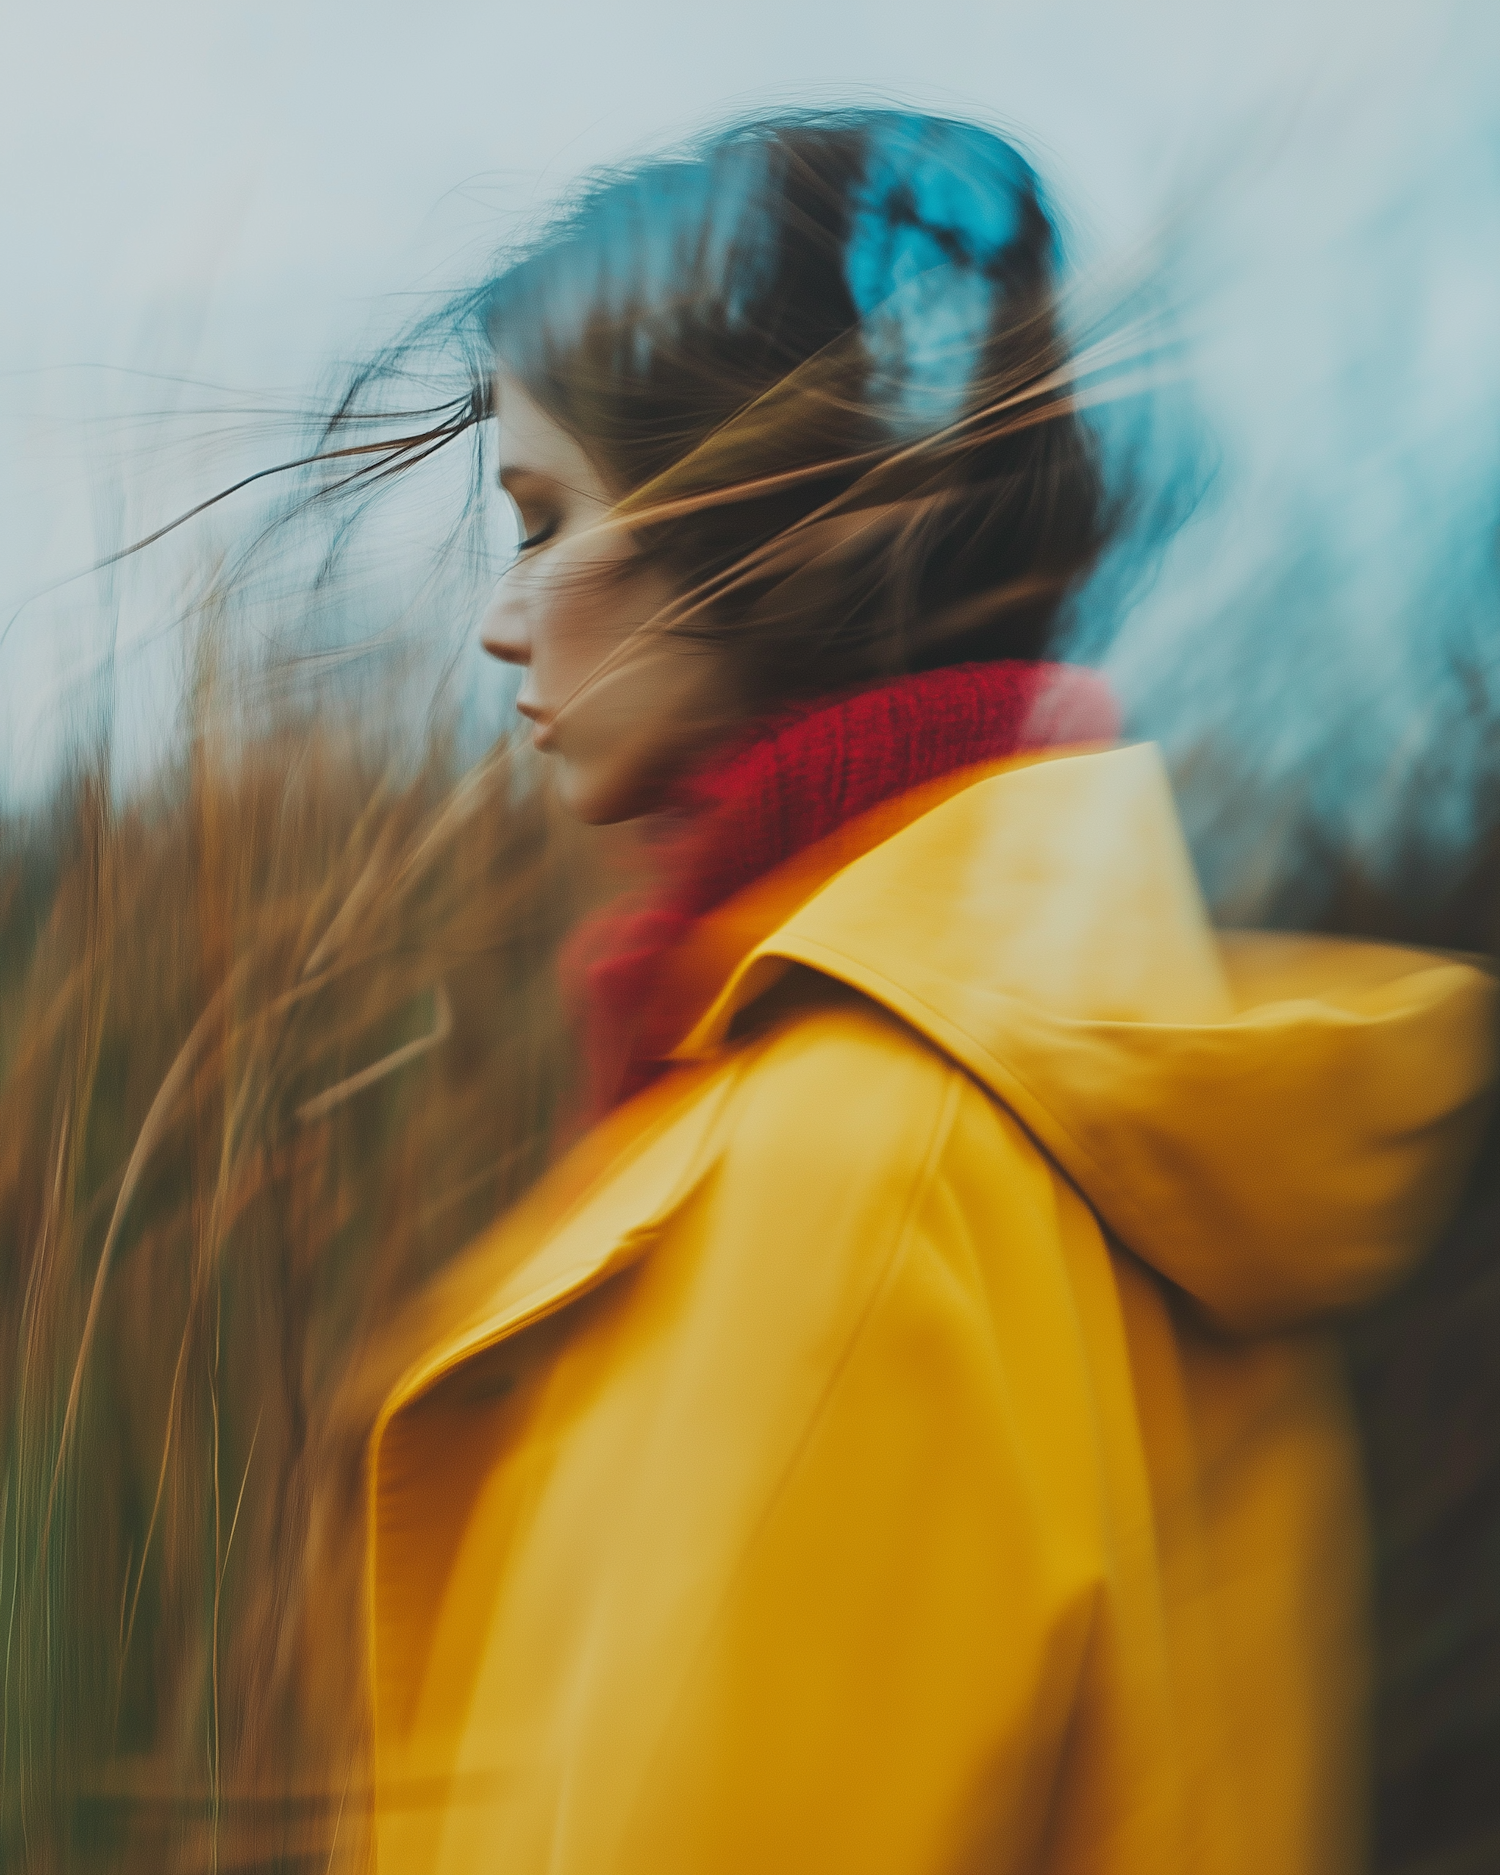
543,534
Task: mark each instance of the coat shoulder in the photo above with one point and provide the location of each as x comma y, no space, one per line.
831,1082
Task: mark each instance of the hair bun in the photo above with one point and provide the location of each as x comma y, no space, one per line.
938,209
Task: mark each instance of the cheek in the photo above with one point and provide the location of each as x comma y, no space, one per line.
628,704
635,729
573,614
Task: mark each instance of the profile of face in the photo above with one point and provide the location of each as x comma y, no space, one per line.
619,704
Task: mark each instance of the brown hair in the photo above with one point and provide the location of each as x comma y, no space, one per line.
821,356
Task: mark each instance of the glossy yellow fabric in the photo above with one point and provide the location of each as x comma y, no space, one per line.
901,1443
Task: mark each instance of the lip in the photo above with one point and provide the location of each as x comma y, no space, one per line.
541,721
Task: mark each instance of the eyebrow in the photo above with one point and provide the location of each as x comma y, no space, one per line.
510,474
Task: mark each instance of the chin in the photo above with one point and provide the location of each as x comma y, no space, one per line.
600,794
596,800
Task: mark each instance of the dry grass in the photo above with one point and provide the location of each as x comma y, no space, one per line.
273,1044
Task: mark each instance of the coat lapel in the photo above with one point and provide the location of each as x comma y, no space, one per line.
592,1217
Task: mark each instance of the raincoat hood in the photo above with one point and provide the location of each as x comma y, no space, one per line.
1278,1125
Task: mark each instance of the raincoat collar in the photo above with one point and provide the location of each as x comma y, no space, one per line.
1277,1125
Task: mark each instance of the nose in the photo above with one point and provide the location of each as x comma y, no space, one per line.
503,631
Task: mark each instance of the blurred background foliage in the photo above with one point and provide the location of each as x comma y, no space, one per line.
276,1038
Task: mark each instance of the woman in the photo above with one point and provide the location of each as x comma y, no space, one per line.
898,1436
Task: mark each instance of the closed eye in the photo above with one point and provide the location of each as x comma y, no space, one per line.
533,500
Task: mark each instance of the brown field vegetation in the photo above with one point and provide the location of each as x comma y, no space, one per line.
275,1040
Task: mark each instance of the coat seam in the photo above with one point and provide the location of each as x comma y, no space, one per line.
931,1162
1002,1067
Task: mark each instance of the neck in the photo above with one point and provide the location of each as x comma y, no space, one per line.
792,781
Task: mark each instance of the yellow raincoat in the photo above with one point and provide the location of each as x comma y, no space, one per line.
900,1442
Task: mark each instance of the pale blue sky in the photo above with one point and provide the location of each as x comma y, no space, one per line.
239,192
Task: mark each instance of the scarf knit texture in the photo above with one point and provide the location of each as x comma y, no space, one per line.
794,779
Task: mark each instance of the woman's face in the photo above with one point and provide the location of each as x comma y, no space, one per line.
618,704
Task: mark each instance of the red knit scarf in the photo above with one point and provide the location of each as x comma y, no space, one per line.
795,779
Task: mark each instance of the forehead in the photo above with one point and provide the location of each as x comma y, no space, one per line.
528,440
